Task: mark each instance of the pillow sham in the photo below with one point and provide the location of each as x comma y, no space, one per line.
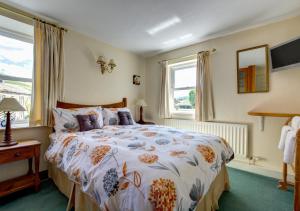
125,118
110,115
65,119
88,122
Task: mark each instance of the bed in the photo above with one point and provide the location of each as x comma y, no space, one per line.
138,167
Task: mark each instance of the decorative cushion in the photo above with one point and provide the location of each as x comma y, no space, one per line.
125,118
88,122
110,115
65,119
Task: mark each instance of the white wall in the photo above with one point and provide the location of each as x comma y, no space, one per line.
85,84
233,107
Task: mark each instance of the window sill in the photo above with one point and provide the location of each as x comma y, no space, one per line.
183,115
21,128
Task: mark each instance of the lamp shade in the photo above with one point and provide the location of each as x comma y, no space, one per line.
10,104
141,102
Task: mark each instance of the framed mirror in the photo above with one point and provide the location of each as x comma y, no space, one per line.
253,69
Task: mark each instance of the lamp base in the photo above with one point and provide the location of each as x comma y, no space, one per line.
8,143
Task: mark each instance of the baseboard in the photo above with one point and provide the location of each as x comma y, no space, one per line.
259,170
43,175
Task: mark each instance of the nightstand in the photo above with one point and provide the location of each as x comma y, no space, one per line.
145,123
22,151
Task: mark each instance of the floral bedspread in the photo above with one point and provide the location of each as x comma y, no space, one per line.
140,167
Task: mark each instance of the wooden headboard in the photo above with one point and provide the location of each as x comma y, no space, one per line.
65,105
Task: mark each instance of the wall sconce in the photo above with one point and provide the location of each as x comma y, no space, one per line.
104,66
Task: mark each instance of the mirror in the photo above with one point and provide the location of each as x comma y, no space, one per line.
253,70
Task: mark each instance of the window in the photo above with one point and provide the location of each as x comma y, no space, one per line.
16,67
183,88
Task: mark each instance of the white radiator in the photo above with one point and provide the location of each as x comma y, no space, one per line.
235,134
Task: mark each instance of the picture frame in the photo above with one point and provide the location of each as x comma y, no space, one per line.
136,80
253,69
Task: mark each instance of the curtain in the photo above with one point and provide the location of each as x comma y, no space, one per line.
204,105
164,106
48,72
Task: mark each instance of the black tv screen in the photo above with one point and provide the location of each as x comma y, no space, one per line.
286,55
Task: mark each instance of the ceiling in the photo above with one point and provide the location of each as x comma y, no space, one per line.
129,24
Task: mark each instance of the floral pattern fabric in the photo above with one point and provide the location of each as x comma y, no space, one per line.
140,167
65,119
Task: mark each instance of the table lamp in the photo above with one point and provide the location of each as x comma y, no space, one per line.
7,105
141,103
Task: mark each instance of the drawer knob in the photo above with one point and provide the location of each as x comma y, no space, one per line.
17,154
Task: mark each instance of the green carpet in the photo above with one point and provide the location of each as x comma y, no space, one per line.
249,192
252,192
47,199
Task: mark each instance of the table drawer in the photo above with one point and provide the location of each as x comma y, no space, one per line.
16,154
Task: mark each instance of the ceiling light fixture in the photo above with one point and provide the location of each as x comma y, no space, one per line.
180,39
164,25
168,42
186,36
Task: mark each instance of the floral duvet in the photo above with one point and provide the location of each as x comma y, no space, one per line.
140,167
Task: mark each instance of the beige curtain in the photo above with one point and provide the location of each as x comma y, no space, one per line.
204,105
48,72
164,106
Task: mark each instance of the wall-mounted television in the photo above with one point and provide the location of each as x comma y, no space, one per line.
285,55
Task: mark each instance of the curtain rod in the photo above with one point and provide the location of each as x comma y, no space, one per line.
182,57
28,15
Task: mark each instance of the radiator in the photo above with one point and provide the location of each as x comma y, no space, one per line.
235,134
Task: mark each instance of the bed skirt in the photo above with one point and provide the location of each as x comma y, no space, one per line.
83,202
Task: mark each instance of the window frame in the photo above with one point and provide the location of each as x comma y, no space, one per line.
16,35
180,114
27,39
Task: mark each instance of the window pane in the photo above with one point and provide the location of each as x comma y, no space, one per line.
16,57
184,99
185,77
16,64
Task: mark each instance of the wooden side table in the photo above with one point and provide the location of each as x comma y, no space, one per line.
22,151
145,123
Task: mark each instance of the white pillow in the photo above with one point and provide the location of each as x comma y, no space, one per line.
65,119
110,115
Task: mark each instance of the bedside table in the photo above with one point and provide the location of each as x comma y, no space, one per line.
145,123
22,151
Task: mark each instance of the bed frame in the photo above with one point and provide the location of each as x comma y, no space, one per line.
65,105
283,184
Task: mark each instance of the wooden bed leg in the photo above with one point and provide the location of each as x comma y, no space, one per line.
297,174
283,184
71,202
